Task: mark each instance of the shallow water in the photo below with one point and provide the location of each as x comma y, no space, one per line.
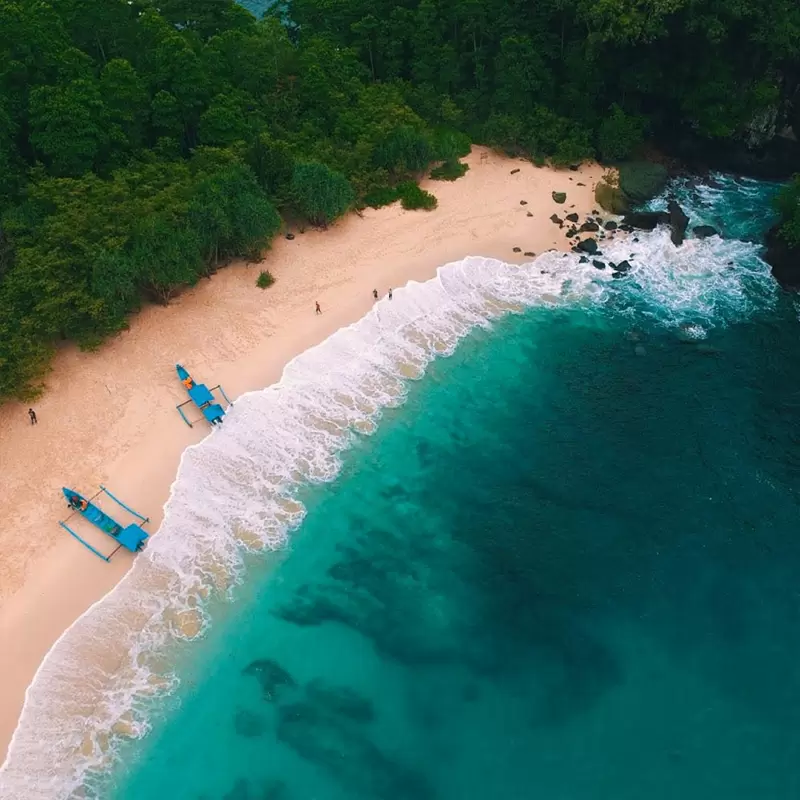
563,563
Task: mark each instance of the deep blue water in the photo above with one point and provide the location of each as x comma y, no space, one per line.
566,567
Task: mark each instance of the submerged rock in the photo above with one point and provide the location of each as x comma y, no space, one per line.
271,676
341,700
349,756
639,350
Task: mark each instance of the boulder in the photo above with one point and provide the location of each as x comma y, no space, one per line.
517,249
598,264
560,197
587,246
529,214
704,231
641,181
574,167
610,225
646,220
611,198
783,259
523,202
529,254
583,260
678,222
623,266
555,218
589,226
515,171
290,236
573,217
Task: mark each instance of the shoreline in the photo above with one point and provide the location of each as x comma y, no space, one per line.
122,429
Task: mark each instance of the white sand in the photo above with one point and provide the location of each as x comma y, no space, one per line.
109,417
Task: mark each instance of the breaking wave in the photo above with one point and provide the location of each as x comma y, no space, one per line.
236,491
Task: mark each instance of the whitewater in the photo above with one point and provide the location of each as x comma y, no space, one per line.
236,492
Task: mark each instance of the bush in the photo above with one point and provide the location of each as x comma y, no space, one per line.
265,279
320,193
384,196
620,135
414,198
451,170
641,181
405,150
450,145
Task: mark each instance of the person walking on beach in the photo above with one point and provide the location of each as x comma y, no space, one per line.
374,294
32,415
390,294
318,309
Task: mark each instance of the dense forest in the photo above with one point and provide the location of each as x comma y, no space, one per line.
145,142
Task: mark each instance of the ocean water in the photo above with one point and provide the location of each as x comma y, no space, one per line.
525,532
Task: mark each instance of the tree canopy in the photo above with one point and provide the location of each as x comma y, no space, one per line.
144,143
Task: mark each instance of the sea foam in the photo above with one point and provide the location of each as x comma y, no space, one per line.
236,491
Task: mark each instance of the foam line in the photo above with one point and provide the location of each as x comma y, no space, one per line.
236,490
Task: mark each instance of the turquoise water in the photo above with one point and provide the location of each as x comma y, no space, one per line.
563,567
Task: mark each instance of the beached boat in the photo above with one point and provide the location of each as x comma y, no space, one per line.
132,537
202,397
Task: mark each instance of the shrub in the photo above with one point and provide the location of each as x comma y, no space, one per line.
450,145
320,193
413,197
788,204
451,170
404,150
265,279
384,196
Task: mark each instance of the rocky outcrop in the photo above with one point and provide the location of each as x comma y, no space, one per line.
704,231
783,259
678,222
611,198
646,220
271,676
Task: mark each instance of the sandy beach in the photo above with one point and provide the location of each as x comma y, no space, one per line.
109,416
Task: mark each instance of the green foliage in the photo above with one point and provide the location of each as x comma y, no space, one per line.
320,193
620,135
413,197
641,181
142,144
265,279
404,151
449,171
788,205
611,198
382,196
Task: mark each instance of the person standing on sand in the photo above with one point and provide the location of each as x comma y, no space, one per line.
32,415
318,309
390,294
374,294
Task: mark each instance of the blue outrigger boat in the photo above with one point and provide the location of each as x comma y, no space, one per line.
202,397
132,537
